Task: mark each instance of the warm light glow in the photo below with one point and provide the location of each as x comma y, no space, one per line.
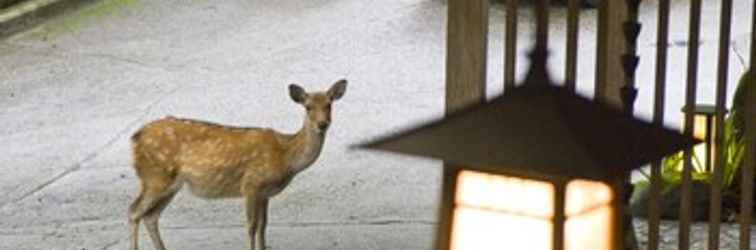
590,231
699,131
589,216
503,193
498,212
476,229
585,195
700,124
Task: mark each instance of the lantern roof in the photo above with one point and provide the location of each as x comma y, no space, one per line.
542,130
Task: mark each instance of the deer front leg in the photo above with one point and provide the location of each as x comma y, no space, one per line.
262,223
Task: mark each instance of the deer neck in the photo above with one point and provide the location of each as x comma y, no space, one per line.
304,148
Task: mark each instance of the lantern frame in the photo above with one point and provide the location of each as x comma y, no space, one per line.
704,129
559,219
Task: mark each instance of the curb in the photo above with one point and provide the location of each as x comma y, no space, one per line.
30,13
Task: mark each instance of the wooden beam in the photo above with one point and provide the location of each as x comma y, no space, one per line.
466,53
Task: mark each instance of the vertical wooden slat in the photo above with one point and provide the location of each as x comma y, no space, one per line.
746,208
747,194
560,193
611,45
686,205
618,237
654,209
467,40
628,95
510,53
746,204
573,19
601,49
542,23
715,207
446,214
709,140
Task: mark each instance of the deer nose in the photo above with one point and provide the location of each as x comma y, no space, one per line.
323,125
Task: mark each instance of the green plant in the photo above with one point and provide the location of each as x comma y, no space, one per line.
734,149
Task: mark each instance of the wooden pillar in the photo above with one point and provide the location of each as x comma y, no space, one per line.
749,166
609,50
466,47
715,204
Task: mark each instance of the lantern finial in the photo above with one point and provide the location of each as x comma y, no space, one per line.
538,74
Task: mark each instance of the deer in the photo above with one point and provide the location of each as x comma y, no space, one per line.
220,161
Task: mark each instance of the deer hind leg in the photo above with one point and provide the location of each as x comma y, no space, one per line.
134,223
252,206
153,198
153,215
262,223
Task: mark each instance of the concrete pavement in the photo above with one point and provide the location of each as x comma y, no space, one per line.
72,91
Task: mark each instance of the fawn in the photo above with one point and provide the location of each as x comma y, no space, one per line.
218,161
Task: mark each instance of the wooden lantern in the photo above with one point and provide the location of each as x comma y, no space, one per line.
537,168
704,127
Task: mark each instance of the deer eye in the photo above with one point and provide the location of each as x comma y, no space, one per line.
308,108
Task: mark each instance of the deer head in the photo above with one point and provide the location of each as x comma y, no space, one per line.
318,104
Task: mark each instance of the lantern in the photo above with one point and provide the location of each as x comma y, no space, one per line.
536,168
704,127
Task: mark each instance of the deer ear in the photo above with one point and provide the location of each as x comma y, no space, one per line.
337,90
297,93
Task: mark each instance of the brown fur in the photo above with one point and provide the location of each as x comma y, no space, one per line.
218,161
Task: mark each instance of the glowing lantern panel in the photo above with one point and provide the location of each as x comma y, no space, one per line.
589,216
498,212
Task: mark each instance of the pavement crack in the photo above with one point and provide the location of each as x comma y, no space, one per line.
167,68
77,166
315,224
120,59
111,244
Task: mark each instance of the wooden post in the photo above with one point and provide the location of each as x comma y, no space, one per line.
560,216
619,237
610,81
686,203
746,203
466,47
467,44
654,209
611,45
573,19
715,206
510,45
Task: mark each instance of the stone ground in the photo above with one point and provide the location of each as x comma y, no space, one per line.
72,91
728,237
